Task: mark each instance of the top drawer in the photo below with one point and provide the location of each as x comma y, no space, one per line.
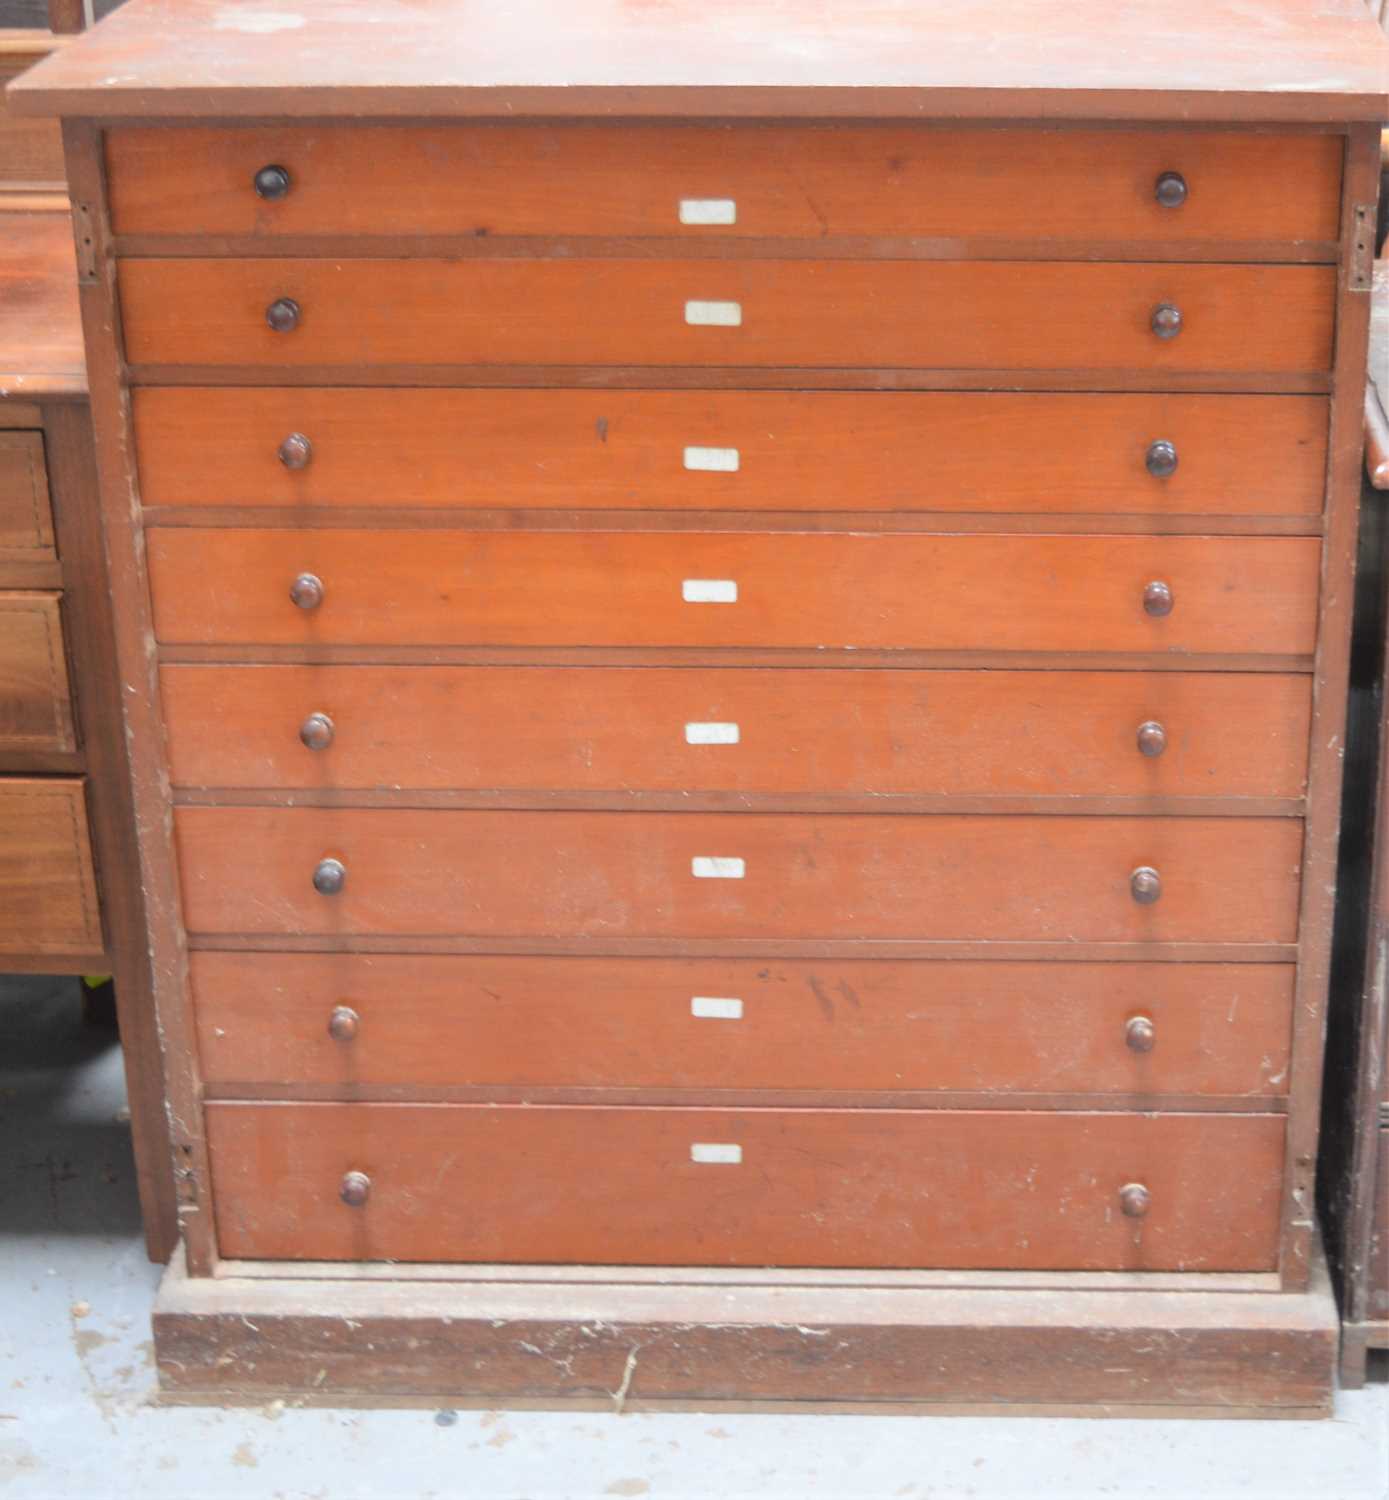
799,182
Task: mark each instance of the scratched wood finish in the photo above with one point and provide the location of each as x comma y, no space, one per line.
824,590
922,1188
795,450
596,876
424,1020
35,701
48,902
951,314
804,182
26,516
613,728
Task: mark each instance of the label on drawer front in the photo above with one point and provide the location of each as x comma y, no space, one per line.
717,867
714,314
712,460
711,734
716,1008
708,211
709,591
716,1152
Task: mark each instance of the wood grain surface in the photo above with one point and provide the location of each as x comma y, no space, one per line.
48,901
26,516
35,701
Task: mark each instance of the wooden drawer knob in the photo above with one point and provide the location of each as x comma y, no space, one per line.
1157,598
296,451
1152,738
1161,460
1166,321
271,182
1134,1199
1145,884
317,732
329,877
1170,190
307,591
356,1189
1139,1034
343,1024
283,315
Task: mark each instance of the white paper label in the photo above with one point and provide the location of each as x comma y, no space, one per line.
714,314
709,591
724,1152
708,211
712,460
711,734
717,867
715,1008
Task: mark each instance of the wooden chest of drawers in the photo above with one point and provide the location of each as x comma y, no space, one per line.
739,719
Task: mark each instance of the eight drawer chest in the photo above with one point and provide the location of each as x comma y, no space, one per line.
733,625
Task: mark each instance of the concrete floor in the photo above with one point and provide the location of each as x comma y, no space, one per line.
78,1415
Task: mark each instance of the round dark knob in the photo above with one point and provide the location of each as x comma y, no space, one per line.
329,876
307,591
356,1189
1134,1199
1170,190
283,315
1139,1034
1157,598
1152,738
296,451
343,1023
1145,884
317,732
1166,321
1161,460
271,182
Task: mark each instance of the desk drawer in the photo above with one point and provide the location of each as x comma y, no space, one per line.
700,729
693,181
35,703
596,877
26,518
928,1188
424,1021
990,315
733,450
48,901
710,590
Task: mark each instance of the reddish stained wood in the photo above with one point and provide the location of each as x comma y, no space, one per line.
35,702
955,315
796,450
26,517
48,901
40,327
597,876
813,1187
1061,734
424,1020
823,590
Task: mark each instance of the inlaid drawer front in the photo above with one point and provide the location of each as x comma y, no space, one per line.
604,876
362,1020
26,519
739,729
990,315
802,182
733,450
48,901
924,1188
35,703
1188,595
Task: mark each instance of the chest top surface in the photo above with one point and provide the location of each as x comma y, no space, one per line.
1314,60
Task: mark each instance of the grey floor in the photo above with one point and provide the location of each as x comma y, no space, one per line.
78,1414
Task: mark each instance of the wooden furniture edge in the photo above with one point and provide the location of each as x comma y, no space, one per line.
1357,1339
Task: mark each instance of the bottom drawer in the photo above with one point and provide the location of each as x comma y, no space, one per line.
757,1187
48,902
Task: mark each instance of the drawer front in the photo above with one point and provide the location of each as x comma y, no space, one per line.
926,1188
708,1024
799,182
733,450
952,593
604,876
48,901
961,315
788,731
26,519
35,704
